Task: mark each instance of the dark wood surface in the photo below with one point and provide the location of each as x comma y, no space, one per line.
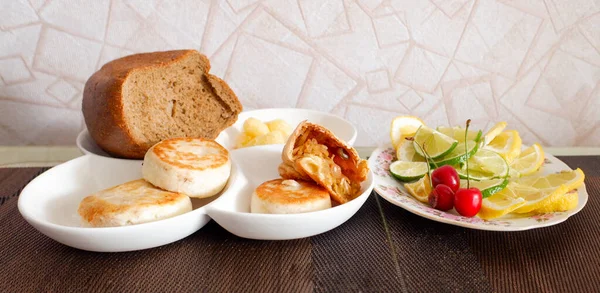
382,248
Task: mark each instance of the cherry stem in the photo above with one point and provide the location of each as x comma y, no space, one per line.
427,157
466,152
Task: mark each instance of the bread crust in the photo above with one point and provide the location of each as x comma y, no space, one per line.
102,103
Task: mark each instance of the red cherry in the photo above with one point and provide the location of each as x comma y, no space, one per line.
446,175
441,197
467,201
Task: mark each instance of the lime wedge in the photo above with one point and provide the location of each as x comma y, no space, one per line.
435,143
406,152
457,155
487,187
458,133
408,171
485,165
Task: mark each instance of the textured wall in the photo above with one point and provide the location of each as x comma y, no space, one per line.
533,63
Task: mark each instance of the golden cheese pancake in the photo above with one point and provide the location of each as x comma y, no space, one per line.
193,166
280,196
131,203
314,153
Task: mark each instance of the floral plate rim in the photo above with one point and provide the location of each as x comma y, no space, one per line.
392,190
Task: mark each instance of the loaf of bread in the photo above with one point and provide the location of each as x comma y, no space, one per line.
134,102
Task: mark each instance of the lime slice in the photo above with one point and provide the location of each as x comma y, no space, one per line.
485,165
408,171
487,187
433,142
406,152
458,133
457,155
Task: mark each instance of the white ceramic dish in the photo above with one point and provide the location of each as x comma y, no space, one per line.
49,203
257,165
393,191
339,126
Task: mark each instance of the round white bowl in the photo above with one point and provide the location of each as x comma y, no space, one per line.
50,201
339,126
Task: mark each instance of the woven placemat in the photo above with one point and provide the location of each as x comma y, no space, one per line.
381,248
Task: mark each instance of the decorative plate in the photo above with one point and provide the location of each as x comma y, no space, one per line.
393,191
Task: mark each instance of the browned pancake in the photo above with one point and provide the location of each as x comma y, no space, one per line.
281,196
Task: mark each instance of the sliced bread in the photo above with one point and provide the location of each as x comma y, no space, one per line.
136,101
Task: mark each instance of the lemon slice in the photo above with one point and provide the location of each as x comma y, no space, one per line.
507,144
458,133
485,165
435,143
528,162
563,203
420,189
402,127
493,132
535,198
487,187
500,203
406,152
408,171
570,179
457,155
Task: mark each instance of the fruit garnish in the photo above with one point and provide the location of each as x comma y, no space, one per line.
493,132
467,201
540,191
402,127
563,203
458,156
528,162
408,171
441,197
485,165
507,144
406,152
436,143
500,204
458,133
420,189
445,175
488,187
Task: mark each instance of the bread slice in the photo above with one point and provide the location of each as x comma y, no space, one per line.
136,101
134,202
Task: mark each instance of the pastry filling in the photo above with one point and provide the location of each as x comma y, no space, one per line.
320,162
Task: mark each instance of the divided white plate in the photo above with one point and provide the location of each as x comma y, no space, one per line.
393,191
339,126
49,203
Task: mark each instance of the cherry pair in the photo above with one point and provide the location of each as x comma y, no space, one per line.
447,193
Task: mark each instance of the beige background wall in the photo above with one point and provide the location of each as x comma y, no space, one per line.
533,63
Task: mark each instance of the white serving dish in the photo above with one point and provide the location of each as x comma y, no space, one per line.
339,126
49,203
393,191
